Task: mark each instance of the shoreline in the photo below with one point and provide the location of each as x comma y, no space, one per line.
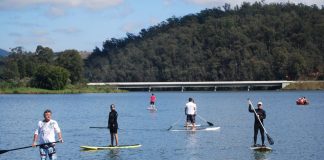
305,85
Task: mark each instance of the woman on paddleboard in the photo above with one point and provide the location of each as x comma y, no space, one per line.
113,125
152,101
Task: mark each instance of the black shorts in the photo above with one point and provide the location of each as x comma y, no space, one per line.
113,130
191,118
152,103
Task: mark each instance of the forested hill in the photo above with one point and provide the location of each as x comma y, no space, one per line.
251,42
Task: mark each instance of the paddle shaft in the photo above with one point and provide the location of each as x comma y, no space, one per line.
209,123
3,151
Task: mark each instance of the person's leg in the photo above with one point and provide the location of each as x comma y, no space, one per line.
116,139
262,134
255,134
111,139
194,121
52,153
43,153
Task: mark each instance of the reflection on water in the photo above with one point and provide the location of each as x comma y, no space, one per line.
260,155
113,154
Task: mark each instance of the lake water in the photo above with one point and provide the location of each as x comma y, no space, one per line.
298,131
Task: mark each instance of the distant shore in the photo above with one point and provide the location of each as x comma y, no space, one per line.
306,85
68,90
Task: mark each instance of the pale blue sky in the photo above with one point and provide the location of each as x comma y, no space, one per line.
84,24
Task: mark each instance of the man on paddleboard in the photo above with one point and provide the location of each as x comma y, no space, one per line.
45,133
113,125
257,126
190,111
152,101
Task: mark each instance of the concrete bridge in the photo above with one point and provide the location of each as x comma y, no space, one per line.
183,85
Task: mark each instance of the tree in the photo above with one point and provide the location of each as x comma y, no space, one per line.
44,54
50,77
72,61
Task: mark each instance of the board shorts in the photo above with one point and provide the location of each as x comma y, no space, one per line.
113,130
152,103
47,150
191,118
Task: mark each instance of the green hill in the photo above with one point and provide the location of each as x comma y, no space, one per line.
251,42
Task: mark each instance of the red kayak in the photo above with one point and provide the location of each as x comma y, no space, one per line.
302,102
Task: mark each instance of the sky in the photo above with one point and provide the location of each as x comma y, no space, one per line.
85,24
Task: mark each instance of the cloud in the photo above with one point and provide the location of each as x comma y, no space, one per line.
15,34
70,30
91,4
131,27
55,12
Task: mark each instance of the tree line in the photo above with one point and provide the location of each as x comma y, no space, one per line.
41,69
249,42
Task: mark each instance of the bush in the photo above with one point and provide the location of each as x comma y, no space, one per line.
50,77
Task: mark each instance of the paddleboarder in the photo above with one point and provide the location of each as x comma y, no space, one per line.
45,133
257,126
113,124
190,112
152,101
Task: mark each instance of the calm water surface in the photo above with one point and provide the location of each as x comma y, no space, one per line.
298,131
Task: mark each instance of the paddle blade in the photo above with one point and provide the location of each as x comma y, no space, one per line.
3,151
169,128
210,124
270,140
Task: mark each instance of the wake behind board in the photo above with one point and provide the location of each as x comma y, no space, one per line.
261,148
110,147
197,129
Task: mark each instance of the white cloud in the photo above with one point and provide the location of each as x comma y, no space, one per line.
70,30
131,27
90,4
55,12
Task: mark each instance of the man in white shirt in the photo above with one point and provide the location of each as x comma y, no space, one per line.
191,111
45,133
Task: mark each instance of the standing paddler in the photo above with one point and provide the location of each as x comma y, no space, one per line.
261,114
152,101
190,112
113,125
45,133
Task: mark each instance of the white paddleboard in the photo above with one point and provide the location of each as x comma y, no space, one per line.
151,109
110,147
197,129
190,125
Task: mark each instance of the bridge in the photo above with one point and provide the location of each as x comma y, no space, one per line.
183,85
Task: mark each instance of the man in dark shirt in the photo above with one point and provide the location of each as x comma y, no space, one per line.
257,125
113,125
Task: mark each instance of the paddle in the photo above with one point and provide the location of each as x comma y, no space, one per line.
174,123
270,140
209,123
4,151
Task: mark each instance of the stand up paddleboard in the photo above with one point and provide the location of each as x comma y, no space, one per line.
261,148
110,147
197,129
151,109
190,125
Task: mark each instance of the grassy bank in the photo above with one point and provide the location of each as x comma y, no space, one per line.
72,89
304,85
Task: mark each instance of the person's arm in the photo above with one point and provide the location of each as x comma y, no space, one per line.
250,108
35,140
264,115
59,132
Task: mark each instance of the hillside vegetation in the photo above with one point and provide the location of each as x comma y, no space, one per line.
251,42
